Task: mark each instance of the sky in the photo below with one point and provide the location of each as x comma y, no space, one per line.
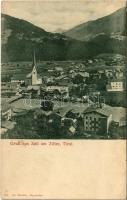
60,14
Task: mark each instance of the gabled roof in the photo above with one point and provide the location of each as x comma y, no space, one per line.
65,109
29,75
102,111
33,87
84,74
62,111
34,65
75,110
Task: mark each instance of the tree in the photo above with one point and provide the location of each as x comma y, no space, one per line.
78,79
47,105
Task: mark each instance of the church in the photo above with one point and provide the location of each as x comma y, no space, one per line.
34,78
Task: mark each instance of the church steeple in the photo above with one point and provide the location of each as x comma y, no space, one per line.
34,60
34,71
36,79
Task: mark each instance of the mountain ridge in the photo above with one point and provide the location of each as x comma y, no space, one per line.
20,38
107,24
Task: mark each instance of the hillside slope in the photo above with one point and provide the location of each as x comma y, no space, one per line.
111,24
20,38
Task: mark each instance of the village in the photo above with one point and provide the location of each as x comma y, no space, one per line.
67,100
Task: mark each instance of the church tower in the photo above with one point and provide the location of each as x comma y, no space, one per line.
34,72
34,78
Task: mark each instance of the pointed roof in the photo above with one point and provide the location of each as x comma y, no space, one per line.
103,111
34,60
33,65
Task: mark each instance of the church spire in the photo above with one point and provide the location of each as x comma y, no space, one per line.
34,60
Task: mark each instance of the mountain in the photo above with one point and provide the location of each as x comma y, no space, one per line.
113,24
59,30
20,38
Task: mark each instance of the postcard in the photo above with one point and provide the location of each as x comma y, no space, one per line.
63,99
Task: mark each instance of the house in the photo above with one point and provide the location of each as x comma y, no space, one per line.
6,110
84,74
101,73
9,89
115,86
34,78
77,74
49,80
72,73
54,118
90,61
123,121
6,125
97,120
109,73
69,125
61,89
119,73
18,78
63,79
62,111
59,69
48,117
34,89
73,113
51,70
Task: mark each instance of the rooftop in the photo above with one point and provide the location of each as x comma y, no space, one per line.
103,111
5,106
33,87
8,124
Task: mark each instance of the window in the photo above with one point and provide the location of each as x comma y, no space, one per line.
91,123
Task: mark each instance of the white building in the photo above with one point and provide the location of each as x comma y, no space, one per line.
61,89
115,86
34,78
97,120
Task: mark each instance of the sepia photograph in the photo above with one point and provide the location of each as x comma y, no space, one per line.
63,69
